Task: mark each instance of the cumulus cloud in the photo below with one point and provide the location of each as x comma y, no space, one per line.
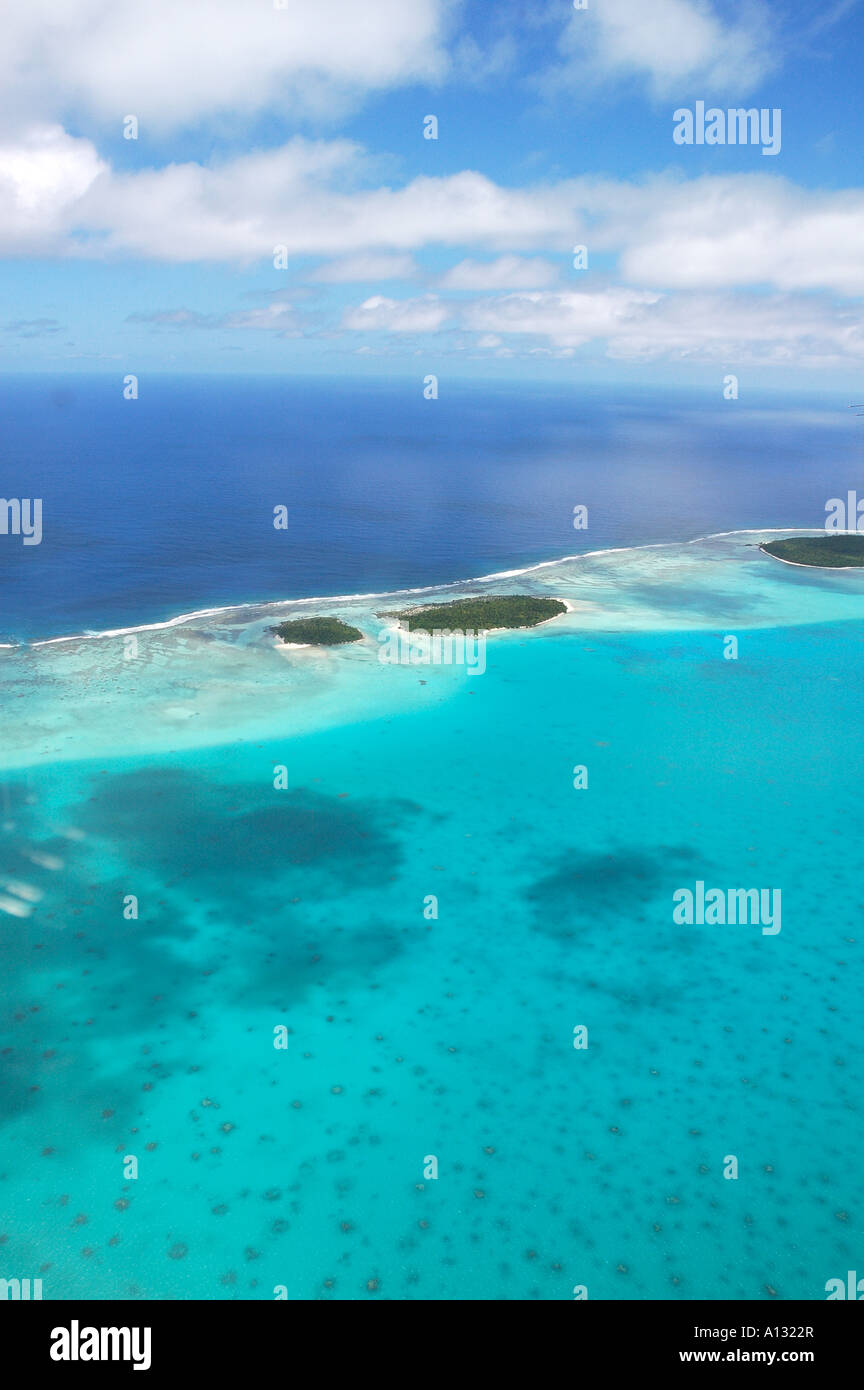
173,63
673,46
749,230
304,197
308,197
684,255
44,175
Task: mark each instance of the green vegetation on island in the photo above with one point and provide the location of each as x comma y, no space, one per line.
481,614
827,552
317,632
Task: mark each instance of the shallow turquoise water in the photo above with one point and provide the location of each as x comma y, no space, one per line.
452,1037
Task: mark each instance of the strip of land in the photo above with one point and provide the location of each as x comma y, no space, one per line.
317,632
480,614
824,552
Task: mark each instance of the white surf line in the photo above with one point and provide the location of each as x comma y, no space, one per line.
238,608
621,550
398,593
145,627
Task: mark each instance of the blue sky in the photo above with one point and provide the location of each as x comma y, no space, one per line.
301,126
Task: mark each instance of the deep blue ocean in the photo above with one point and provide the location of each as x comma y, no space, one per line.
162,505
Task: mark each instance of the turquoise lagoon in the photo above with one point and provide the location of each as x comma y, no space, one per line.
150,772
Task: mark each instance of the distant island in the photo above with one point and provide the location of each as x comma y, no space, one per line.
317,632
825,552
481,614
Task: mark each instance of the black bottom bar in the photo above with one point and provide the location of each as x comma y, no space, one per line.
233,1338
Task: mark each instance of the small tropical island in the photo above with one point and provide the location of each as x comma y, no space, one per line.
824,552
317,632
481,614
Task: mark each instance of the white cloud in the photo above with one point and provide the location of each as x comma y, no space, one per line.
424,315
176,318
505,273
237,210
672,45
776,329
356,269
724,328
683,247
746,230
635,325
569,318
749,230
743,229
43,177
304,196
278,317
57,195
171,62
